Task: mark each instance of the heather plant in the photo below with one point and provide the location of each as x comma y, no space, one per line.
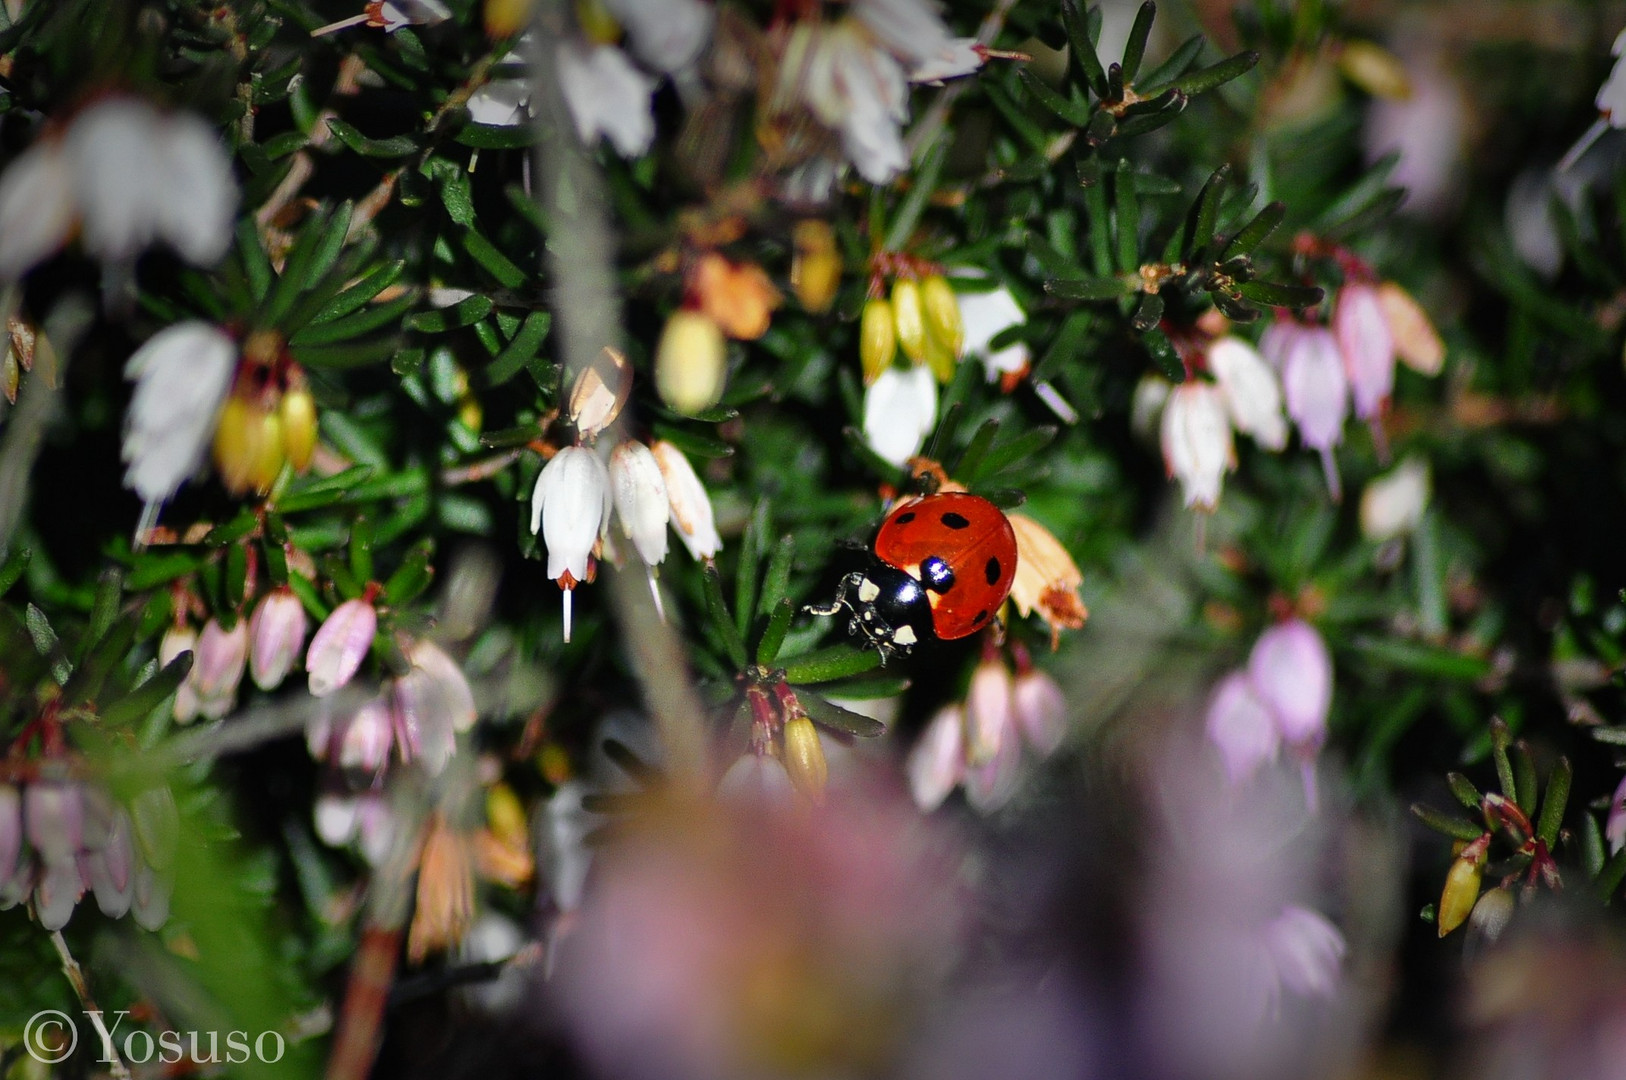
722,538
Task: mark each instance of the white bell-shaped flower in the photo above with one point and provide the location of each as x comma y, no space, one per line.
607,95
900,409
37,209
641,501
668,35
570,506
1251,389
692,517
182,375
1196,437
1392,505
986,315
861,91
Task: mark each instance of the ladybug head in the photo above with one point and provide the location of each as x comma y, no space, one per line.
889,608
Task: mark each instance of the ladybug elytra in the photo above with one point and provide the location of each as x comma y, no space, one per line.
941,566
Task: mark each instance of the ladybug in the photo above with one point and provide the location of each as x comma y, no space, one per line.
941,566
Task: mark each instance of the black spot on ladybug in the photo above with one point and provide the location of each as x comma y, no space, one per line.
982,617
936,575
905,518
991,571
955,521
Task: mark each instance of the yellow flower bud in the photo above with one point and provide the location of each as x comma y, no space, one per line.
505,815
943,315
597,24
268,451
691,362
299,427
877,339
815,272
940,359
1462,886
236,443
909,315
1374,69
804,758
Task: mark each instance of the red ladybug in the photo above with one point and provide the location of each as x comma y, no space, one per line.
941,567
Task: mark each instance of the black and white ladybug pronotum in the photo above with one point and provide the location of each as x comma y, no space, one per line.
941,567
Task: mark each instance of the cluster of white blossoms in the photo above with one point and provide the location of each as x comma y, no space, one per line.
123,174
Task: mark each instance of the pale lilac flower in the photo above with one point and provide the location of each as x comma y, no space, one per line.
1242,727
1196,439
217,667
900,410
1291,672
936,763
433,703
1251,389
182,375
1615,827
53,813
692,517
1041,710
668,35
1392,504
1429,130
990,711
757,778
1367,346
1317,393
607,95
364,737
56,891
989,785
1306,950
570,506
276,634
986,315
641,501
149,899
177,640
111,867
339,646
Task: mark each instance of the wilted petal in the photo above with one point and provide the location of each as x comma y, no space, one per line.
937,761
1242,727
182,374
1047,579
1367,346
36,208
340,645
1417,343
1196,438
570,505
1251,389
900,409
276,634
640,499
692,517
1291,672
607,95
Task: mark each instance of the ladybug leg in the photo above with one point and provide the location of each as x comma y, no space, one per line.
852,582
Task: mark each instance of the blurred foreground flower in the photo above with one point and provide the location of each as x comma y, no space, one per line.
735,940
126,175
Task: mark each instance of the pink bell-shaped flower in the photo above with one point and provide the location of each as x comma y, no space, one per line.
990,711
276,633
1615,827
1041,710
1242,727
340,644
1291,673
217,667
1317,394
1368,347
937,761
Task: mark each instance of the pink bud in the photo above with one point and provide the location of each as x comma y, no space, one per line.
54,815
177,640
276,634
1241,727
1197,446
990,786
1615,829
1306,950
1291,673
365,739
433,703
1367,345
340,645
1317,393
989,711
217,667
11,831
1041,710
937,761
56,892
